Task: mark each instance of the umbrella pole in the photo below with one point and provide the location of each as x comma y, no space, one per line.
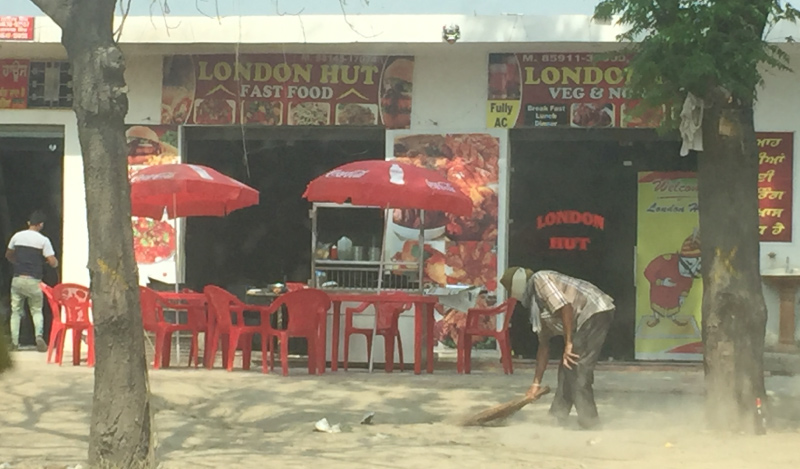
377,306
177,268
421,260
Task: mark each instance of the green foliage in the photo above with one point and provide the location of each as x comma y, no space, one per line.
681,46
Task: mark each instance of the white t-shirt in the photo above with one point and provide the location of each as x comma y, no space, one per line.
30,249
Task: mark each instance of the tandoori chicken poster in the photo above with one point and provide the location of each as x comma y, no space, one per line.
458,250
581,90
154,241
669,289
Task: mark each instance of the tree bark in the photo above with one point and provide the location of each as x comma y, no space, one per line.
734,312
121,421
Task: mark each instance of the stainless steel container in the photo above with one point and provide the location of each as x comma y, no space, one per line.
374,254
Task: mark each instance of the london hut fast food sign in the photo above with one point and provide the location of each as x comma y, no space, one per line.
288,89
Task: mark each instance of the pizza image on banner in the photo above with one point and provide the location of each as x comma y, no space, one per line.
154,241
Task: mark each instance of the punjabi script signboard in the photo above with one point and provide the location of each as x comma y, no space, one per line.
775,155
16,28
14,84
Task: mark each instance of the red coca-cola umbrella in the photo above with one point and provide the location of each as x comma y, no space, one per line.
186,190
389,185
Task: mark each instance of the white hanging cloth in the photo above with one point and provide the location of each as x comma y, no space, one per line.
691,125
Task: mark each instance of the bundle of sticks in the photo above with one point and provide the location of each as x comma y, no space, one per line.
502,411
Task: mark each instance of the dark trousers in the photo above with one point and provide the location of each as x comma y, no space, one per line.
575,385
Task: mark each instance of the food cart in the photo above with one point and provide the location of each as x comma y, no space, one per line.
355,265
356,268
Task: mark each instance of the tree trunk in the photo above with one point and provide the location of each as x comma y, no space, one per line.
121,421
734,313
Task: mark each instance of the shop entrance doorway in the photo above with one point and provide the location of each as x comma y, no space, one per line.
573,209
270,242
31,178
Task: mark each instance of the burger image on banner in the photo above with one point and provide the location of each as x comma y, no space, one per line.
395,94
145,147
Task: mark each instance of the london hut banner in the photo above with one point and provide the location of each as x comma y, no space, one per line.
582,90
669,289
288,89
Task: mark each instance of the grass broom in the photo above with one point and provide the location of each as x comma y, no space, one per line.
502,411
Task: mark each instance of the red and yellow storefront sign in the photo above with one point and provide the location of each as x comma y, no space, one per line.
581,90
288,89
14,83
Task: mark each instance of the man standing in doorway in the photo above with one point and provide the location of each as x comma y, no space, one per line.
582,313
26,251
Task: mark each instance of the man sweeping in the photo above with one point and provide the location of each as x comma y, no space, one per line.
582,313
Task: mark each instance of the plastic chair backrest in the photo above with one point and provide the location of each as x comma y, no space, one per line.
219,304
55,308
295,286
76,300
151,307
305,308
509,305
388,311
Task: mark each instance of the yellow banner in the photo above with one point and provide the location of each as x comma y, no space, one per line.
502,114
669,288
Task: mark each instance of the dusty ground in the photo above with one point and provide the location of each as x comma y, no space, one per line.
246,419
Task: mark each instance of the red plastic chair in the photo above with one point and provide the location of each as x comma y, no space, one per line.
56,326
153,321
232,335
473,328
307,309
388,317
77,303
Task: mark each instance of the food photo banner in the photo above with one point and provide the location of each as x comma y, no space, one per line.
775,163
582,90
154,241
288,89
458,250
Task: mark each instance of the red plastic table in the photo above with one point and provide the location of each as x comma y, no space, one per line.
423,320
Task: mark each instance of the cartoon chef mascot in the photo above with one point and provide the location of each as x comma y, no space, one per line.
671,277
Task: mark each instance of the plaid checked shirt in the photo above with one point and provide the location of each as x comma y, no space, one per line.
554,290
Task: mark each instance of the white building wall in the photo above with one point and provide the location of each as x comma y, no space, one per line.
143,77
450,86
